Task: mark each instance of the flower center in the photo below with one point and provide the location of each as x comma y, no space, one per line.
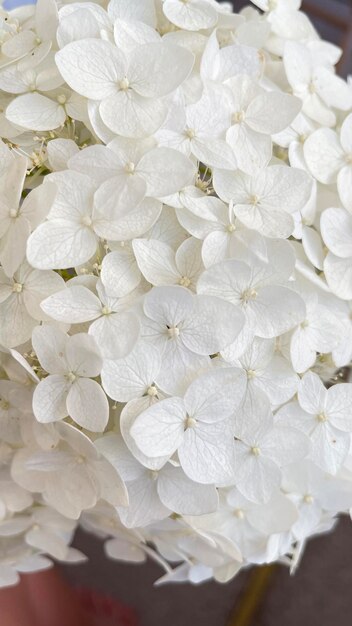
106,310
130,168
79,460
190,422
255,451
185,281
17,288
124,84
190,133
173,331
249,294
71,377
231,228
152,391
322,417
13,212
239,513
251,374
238,117
62,99
87,220
254,200
308,499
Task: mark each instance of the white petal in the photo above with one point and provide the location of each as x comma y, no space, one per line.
83,355
338,406
156,260
324,155
138,10
145,506
215,153
122,191
128,378
131,115
276,310
149,71
168,305
207,453
34,111
183,496
128,416
302,353
73,305
338,273
312,393
60,151
257,477
87,405
116,334
92,67
195,15
166,171
60,244
212,325
336,230
159,430
272,112
120,273
179,367
215,395
49,399
252,150
49,344
344,186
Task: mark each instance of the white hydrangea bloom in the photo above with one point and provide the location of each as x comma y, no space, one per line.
71,363
175,284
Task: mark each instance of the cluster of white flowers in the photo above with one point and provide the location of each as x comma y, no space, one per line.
175,284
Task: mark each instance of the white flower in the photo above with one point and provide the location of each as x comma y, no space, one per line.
15,404
67,238
200,128
115,331
324,415
133,376
256,115
130,89
318,332
73,461
154,493
199,426
18,220
20,298
187,329
34,111
317,85
262,448
68,390
329,158
160,265
336,230
314,494
128,170
265,201
267,372
270,309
